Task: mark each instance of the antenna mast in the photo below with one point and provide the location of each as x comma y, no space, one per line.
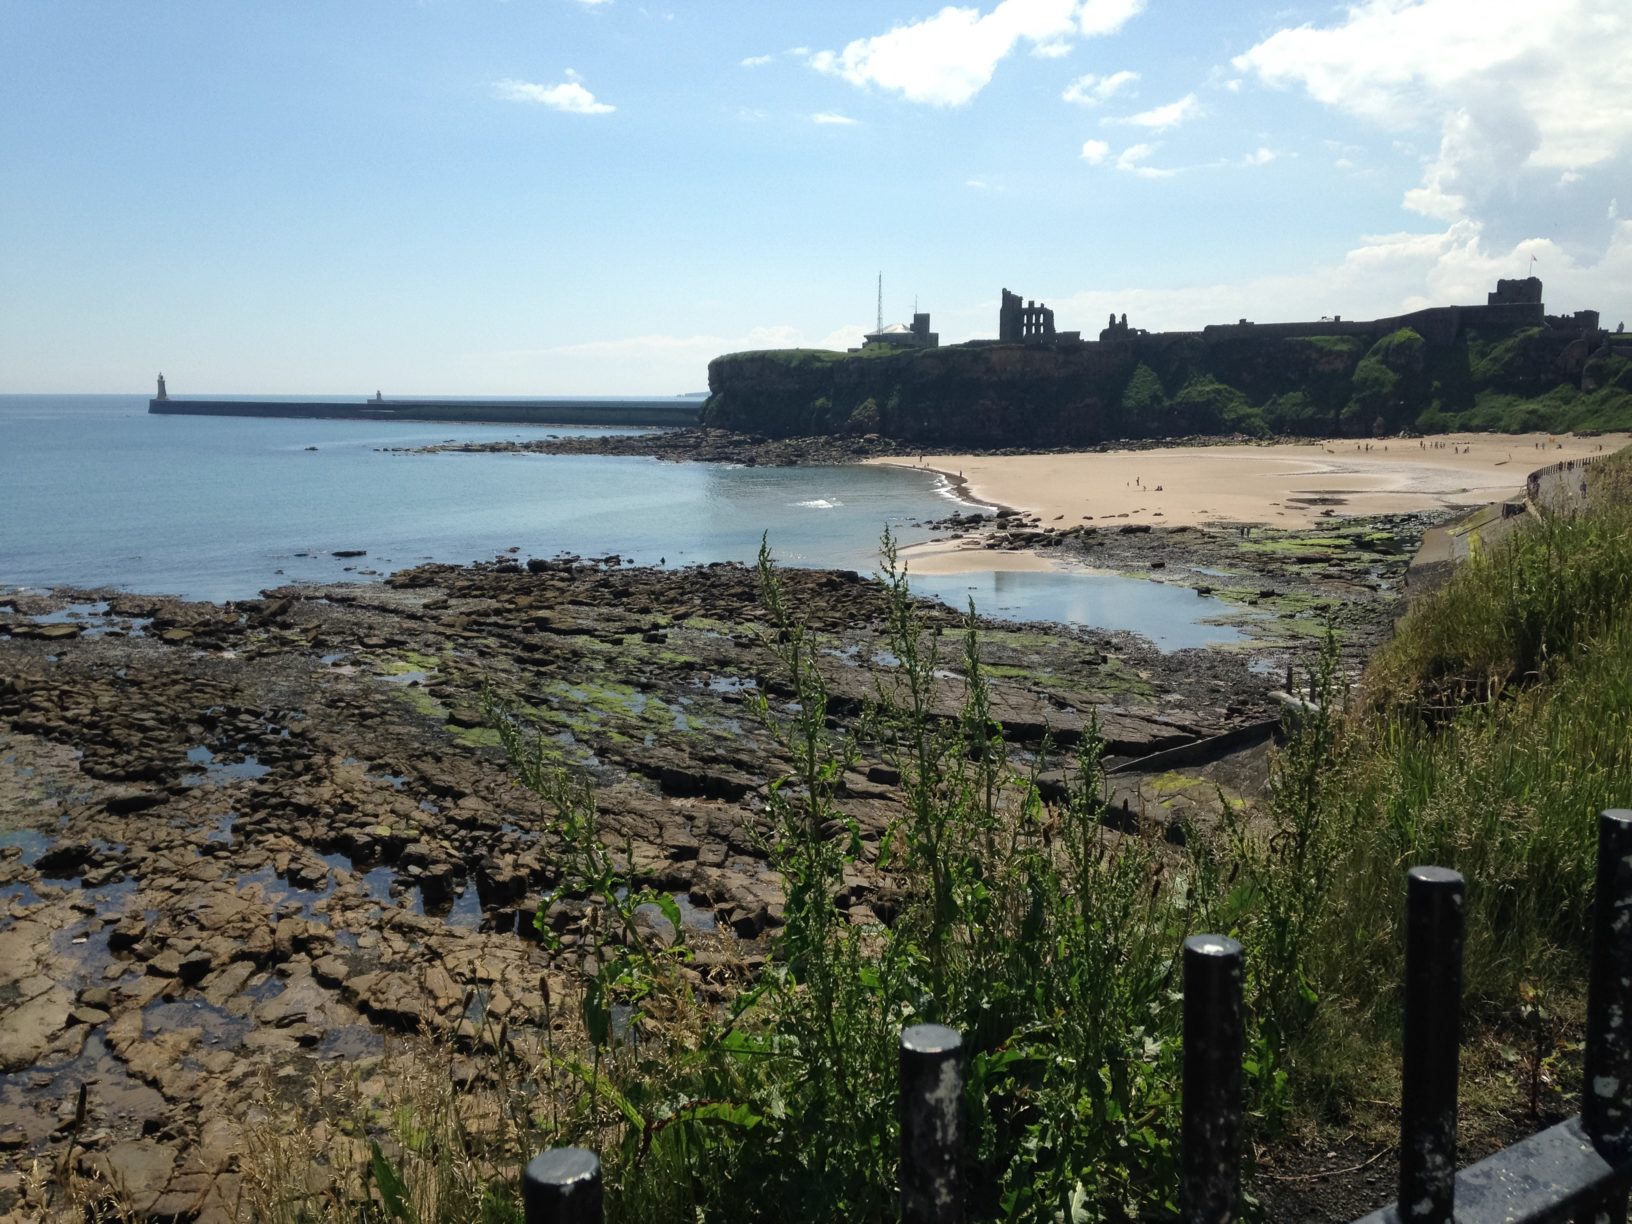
880,301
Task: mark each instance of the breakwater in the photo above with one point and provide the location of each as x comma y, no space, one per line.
664,411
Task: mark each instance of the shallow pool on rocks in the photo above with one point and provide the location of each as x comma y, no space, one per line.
1173,617
218,771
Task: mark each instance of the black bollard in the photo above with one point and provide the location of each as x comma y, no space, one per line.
1433,1009
562,1186
1606,1097
1214,1037
931,1124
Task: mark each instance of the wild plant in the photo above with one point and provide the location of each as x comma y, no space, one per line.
1287,858
818,1032
639,1106
1046,938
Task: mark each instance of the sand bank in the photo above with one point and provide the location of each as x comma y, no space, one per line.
1281,484
961,557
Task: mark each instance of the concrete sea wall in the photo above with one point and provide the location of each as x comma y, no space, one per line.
670,411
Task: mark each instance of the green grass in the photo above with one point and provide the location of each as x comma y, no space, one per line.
1345,346
1516,611
1485,737
1560,409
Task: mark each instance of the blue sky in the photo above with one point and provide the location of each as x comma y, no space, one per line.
566,196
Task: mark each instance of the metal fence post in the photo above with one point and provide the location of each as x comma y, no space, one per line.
1606,1098
1433,1017
562,1186
1210,1139
931,1124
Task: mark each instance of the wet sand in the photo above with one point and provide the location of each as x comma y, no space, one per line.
1292,485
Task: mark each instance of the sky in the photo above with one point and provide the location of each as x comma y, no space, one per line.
562,197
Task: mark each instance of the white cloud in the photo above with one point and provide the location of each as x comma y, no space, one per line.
594,4
1160,118
1614,208
834,119
756,61
977,184
1097,18
569,96
1133,158
1053,50
1091,90
847,337
946,59
1519,98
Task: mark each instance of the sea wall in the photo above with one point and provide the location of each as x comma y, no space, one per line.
631,412
1557,490
1561,488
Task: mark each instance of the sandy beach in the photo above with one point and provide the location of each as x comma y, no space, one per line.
1281,484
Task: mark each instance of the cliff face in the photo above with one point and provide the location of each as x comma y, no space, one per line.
1166,385
986,396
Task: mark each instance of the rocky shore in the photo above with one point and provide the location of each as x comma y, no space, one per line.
705,445
243,842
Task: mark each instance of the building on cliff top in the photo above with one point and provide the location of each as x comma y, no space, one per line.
899,335
1512,304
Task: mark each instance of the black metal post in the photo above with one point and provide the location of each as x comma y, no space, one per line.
1433,1021
1210,1141
931,1124
1611,1210
562,1186
1606,1098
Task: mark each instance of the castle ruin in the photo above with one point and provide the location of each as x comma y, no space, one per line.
1030,323
1513,304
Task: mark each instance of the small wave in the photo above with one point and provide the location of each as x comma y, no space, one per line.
955,494
820,503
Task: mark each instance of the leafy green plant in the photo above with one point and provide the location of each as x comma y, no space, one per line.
626,968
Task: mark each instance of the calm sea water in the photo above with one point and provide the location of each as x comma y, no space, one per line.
96,492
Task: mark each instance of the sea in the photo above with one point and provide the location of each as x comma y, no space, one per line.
95,492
